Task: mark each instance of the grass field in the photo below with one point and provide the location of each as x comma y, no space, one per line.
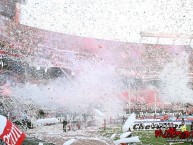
146,137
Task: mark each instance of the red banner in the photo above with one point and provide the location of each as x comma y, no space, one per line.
9,133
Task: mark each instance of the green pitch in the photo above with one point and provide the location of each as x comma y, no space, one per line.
146,137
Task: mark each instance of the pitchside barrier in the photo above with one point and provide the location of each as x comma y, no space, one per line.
158,120
155,125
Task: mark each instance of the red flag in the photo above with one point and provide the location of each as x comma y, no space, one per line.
9,133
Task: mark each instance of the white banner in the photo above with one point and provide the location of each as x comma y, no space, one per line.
155,125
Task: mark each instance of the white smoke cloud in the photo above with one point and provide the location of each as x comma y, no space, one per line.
174,80
97,86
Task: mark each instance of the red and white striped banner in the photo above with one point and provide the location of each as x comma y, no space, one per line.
9,133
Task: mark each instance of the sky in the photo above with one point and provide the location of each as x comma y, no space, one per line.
110,19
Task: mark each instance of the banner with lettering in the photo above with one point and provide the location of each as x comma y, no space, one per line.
155,125
9,133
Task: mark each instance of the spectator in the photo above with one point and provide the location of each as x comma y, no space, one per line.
104,124
64,125
177,116
191,126
183,127
172,125
124,119
78,125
